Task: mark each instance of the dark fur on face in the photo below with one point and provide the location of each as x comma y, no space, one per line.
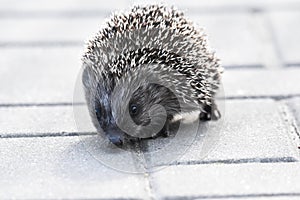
147,96
144,108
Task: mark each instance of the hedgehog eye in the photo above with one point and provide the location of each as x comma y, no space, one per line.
97,111
133,109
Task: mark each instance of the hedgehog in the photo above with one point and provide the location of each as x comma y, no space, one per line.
147,70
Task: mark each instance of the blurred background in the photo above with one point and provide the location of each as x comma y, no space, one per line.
258,42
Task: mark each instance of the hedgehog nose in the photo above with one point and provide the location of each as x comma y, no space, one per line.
115,136
116,140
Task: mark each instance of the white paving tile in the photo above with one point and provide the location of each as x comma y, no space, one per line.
226,180
61,168
286,27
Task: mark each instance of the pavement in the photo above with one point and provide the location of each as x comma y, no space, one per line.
258,150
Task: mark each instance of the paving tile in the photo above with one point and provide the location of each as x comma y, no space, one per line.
36,120
223,6
45,120
261,83
294,105
224,30
286,30
32,75
61,168
36,30
250,131
225,180
35,5
82,5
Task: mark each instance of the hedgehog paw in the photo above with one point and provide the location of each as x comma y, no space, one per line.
165,132
211,112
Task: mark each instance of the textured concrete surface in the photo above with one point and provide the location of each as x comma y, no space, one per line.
50,30
251,153
45,120
241,138
234,27
36,120
33,6
60,167
226,180
261,83
286,30
294,105
46,74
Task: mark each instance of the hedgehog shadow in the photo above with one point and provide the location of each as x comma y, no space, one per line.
149,153
77,163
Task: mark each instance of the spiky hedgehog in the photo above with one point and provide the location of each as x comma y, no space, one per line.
135,46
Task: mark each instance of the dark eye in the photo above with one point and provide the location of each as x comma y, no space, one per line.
97,111
133,109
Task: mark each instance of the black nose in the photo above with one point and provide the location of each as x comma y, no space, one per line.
115,135
116,140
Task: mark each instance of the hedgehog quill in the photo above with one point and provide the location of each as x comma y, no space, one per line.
147,70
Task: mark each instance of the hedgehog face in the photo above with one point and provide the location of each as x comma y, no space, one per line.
142,102
128,113
142,110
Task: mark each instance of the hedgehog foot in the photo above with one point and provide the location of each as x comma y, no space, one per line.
211,112
165,131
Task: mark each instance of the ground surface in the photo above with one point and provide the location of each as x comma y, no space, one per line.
256,157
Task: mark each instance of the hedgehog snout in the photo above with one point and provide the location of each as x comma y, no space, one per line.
115,136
